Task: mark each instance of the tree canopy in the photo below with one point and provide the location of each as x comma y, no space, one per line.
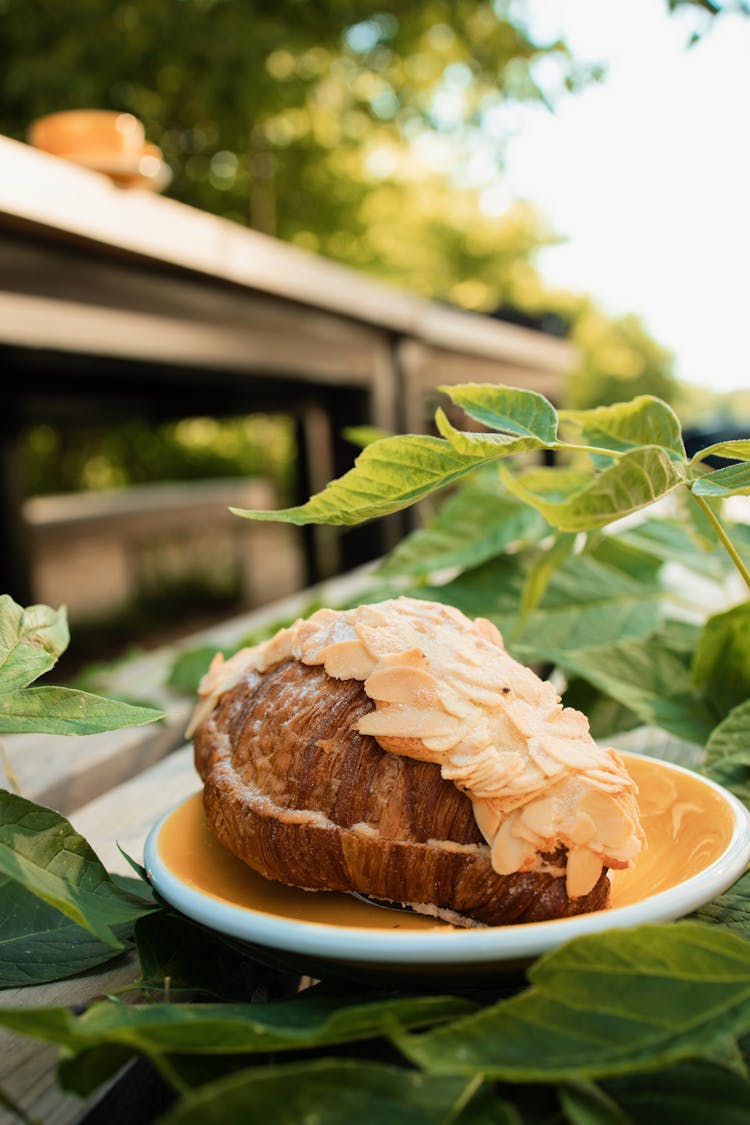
364,132
249,100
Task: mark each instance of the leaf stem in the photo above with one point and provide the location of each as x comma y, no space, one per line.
726,541
464,1098
169,1073
569,447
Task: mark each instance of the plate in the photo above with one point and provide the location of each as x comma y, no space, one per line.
698,838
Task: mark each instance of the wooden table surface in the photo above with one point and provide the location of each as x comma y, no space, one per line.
119,303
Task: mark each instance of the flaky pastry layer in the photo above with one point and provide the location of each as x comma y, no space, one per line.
446,691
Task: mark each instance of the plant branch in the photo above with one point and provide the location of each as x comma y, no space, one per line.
726,541
570,447
465,1097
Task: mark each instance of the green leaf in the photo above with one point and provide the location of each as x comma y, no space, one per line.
477,523
728,753
584,1103
37,625
387,476
310,1020
138,885
30,642
604,1005
635,480
721,664
21,667
39,944
491,590
485,445
666,540
734,450
194,958
680,637
731,909
189,667
691,1094
363,435
394,472
40,850
618,552
648,677
585,605
540,573
734,480
740,532
645,420
507,409
84,1073
730,738
57,710
331,1091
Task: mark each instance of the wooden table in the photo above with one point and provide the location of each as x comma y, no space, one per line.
117,303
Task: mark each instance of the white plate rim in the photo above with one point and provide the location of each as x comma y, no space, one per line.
491,945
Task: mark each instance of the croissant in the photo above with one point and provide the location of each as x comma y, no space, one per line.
398,751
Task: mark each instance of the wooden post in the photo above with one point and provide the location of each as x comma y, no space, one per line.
15,563
315,468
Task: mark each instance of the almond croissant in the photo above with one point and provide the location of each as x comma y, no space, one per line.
397,750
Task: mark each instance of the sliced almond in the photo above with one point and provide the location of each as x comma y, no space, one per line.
582,872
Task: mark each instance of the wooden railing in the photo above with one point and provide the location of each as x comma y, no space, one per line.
116,302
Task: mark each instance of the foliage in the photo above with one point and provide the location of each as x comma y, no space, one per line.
134,452
619,1008
43,854
249,101
701,408
372,135
601,1006
607,607
622,1025
728,752
316,1019
287,107
42,943
62,912
529,548
337,1093
634,450
31,640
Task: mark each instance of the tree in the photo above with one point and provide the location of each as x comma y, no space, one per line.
312,121
252,101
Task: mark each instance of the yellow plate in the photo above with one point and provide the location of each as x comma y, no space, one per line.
698,843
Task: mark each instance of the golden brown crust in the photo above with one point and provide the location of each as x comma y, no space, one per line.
295,792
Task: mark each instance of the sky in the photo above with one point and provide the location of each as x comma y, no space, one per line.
648,177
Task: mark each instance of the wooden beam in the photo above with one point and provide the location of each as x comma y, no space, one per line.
43,195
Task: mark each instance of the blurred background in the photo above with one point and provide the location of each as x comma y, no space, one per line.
576,169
